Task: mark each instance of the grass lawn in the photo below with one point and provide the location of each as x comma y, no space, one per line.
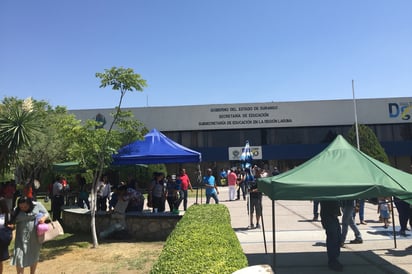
73,253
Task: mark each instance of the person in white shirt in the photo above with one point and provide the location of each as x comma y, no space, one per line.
57,199
231,182
103,193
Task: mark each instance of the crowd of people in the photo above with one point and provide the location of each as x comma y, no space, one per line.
242,183
336,216
336,232
19,209
172,189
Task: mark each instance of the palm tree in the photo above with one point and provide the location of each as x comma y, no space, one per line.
17,127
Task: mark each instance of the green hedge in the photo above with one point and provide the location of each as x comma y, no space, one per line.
202,242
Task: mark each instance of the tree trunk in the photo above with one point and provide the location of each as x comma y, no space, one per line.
93,206
93,215
99,173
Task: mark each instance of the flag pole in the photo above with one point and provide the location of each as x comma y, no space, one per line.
356,114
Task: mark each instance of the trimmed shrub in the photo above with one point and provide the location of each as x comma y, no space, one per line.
202,242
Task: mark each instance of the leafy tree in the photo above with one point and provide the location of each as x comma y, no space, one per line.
49,144
123,80
368,143
33,135
87,143
130,128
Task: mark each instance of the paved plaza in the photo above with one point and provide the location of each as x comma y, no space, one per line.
300,242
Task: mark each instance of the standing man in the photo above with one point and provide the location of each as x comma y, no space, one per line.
255,203
348,207
403,209
275,171
211,188
103,192
241,181
184,186
361,203
329,212
57,199
231,182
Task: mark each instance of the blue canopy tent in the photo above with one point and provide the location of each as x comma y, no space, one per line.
156,148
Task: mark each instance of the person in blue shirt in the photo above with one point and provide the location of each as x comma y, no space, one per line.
223,177
211,188
348,207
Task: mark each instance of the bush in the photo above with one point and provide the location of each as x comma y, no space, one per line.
202,242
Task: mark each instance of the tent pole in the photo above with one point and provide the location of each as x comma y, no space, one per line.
356,115
273,234
263,229
199,181
393,224
197,191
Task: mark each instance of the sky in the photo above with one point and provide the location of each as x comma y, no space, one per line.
194,52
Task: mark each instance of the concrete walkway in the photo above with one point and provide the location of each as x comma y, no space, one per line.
300,242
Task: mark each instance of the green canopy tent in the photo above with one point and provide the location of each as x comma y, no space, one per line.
67,168
339,172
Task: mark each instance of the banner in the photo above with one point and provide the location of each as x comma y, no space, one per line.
235,152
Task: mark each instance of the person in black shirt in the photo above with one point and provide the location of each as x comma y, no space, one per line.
255,203
329,212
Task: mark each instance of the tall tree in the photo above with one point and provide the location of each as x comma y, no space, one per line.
50,143
123,80
368,143
18,126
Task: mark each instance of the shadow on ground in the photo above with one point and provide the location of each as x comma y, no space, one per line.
316,262
237,229
308,221
386,233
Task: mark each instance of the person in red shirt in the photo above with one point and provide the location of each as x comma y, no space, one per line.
28,189
185,185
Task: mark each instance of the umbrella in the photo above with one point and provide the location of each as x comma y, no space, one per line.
246,157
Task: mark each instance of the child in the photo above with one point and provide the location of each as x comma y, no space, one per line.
383,209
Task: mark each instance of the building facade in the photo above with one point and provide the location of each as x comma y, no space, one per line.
281,133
